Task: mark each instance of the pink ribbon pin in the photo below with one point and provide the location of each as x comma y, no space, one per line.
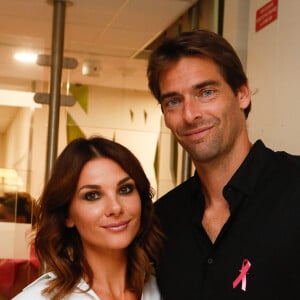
242,276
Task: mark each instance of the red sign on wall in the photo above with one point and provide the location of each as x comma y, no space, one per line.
266,14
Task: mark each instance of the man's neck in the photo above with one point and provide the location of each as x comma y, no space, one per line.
215,174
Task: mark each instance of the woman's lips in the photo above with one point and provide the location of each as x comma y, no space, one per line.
117,226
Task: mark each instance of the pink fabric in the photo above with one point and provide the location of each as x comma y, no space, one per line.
9,269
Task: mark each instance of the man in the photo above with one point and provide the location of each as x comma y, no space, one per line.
233,229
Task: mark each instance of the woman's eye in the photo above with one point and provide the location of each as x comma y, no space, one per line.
126,189
91,196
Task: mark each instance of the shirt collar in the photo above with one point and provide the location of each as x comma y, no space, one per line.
249,173
242,183
82,286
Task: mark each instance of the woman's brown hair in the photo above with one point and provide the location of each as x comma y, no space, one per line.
60,248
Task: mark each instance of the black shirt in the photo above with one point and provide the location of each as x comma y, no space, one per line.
264,229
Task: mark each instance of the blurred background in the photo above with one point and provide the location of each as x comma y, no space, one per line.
103,91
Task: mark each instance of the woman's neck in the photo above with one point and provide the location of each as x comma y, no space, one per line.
109,275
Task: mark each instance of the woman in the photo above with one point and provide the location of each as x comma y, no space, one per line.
95,231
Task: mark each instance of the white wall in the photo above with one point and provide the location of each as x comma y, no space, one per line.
236,24
273,67
131,117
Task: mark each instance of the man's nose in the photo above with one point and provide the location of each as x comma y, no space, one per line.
191,110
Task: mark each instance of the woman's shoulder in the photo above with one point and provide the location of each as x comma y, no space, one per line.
151,291
34,289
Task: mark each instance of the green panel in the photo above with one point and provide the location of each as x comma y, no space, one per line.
73,130
80,93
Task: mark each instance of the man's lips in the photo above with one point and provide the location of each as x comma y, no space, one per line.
196,132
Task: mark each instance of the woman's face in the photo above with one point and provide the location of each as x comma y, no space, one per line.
106,207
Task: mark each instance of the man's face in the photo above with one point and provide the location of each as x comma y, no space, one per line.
201,109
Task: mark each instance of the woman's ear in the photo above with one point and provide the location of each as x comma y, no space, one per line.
244,95
69,222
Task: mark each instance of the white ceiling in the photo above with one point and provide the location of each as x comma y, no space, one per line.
110,34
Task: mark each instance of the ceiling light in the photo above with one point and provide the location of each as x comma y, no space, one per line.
26,57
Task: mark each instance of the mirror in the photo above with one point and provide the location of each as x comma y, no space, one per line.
18,264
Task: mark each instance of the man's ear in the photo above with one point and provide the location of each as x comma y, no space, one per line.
244,95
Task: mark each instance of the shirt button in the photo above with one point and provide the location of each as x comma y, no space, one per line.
210,261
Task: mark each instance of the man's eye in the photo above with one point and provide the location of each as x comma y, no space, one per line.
208,93
91,196
204,95
126,189
172,102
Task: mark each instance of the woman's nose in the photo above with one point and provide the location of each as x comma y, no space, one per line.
113,207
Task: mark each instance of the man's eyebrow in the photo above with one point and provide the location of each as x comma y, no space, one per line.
204,84
168,95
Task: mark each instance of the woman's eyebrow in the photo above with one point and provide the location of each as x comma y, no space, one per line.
89,186
127,178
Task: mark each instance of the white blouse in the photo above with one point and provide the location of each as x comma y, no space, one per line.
34,290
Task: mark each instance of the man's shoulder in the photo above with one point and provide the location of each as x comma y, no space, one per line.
278,168
178,195
278,160
286,163
291,160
